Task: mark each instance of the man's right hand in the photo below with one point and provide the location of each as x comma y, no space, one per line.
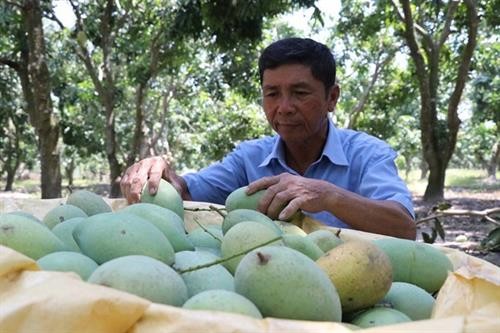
149,170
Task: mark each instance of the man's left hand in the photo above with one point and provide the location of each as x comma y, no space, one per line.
286,194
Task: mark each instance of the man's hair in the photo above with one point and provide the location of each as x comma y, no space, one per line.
302,51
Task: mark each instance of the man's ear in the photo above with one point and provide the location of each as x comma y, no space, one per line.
333,96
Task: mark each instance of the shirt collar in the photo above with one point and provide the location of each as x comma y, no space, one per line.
333,149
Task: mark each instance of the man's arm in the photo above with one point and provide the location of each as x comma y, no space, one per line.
311,195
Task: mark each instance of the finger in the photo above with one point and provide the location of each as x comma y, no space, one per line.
267,198
292,207
124,185
126,182
155,175
261,184
138,180
280,200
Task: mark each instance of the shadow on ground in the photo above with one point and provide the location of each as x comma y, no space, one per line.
463,232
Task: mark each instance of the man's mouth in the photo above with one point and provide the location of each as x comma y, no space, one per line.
288,124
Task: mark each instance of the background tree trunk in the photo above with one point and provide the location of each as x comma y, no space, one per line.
102,78
438,137
494,161
41,115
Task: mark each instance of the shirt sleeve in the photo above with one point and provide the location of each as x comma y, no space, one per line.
215,182
380,180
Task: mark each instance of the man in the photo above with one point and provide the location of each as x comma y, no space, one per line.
343,178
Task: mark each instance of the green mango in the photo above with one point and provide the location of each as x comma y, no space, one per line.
142,276
410,299
417,263
89,202
243,214
65,261
28,237
223,300
325,239
303,245
25,214
64,231
164,219
208,239
106,236
243,236
213,277
62,213
239,199
379,316
166,196
284,283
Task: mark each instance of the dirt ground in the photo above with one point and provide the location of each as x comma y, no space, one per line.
475,229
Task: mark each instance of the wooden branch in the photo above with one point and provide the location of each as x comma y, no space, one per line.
418,28
12,64
225,259
452,8
453,122
83,53
467,212
52,16
206,230
411,39
356,111
15,4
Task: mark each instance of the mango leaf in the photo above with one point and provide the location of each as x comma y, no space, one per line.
492,241
427,238
439,228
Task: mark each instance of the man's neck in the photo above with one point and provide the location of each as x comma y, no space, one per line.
299,156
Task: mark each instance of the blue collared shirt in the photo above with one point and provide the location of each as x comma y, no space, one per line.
352,160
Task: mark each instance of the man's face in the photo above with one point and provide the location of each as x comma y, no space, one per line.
296,104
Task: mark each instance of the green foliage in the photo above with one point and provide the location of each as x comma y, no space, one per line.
212,128
17,138
201,98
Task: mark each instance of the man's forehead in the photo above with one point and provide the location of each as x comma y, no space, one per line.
292,74
298,84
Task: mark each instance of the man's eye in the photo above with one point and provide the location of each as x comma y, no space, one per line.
301,92
270,94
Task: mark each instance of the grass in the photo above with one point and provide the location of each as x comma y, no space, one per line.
471,179
32,186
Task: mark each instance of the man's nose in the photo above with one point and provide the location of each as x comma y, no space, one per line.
286,105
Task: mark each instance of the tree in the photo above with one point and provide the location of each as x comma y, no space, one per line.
133,43
366,48
28,58
426,27
17,142
485,90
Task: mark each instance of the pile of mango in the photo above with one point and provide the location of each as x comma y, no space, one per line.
249,264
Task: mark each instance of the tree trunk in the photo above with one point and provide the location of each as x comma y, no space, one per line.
70,170
9,179
435,185
424,169
13,160
407,166
438,143
494,161
105,86
41,116
115,167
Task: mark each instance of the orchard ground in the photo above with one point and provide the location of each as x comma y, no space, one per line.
465,189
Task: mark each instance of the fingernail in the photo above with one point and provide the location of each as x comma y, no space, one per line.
152,190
